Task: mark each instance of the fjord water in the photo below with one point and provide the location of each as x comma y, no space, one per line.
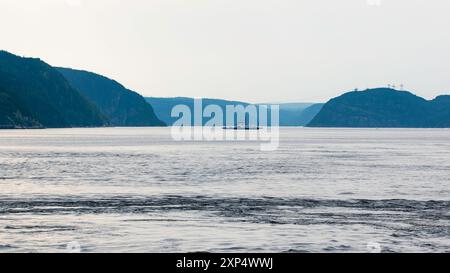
137,190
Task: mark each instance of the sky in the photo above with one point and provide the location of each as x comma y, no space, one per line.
250,50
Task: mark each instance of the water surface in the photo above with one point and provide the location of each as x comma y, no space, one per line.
137,190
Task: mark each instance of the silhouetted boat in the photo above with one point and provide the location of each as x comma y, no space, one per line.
243,127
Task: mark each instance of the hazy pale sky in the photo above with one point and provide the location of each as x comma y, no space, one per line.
253,50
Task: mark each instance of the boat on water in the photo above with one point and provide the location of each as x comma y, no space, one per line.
243,127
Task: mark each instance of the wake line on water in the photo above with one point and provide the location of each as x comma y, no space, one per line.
210,203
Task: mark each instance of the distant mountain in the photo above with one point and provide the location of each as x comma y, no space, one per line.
34,95
121,106
384,107
298,114
163,107
291,114
291,106
307,115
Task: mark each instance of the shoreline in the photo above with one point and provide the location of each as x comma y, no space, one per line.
3,128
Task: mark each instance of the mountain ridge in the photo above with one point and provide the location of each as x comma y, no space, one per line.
34,95
123,107
291,114
384,108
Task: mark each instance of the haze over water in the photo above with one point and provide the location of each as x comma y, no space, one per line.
137,190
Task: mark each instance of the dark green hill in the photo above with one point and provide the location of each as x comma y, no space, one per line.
33,94
122,107
12,116
384,107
